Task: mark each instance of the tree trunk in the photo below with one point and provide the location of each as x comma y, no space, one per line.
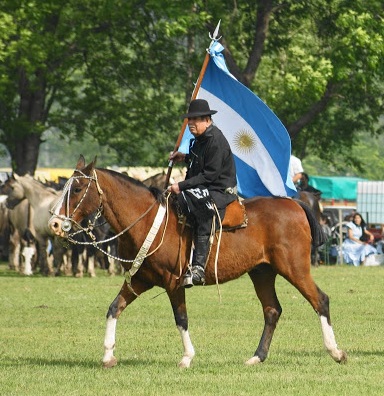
316,109
264,11
26,154
24,144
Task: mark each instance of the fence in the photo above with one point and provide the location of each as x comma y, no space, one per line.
370,201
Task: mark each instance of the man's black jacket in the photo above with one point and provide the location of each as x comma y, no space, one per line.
212,165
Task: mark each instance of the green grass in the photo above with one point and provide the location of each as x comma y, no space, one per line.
52,332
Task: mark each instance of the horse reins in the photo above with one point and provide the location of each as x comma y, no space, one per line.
68,220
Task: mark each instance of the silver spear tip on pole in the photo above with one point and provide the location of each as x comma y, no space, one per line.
215,33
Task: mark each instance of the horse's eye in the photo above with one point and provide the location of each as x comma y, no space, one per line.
77,190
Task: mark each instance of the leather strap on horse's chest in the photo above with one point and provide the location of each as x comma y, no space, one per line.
136,264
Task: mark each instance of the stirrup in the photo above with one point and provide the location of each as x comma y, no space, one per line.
198,275
187,280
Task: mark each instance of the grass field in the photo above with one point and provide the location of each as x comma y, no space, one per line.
52,332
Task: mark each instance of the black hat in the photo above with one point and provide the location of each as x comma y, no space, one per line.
198,108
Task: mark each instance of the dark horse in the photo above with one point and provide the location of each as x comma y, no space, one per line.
276,241
313,201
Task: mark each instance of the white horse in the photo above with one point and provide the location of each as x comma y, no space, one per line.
22,246
15,230
41,200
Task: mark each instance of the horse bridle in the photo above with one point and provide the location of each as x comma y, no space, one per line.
68,218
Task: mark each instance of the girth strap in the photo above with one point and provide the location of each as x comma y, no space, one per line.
136,264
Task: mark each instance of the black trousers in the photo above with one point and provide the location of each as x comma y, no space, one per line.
203,226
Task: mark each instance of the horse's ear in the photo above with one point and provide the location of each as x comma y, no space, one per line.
16,176
92,165
80,162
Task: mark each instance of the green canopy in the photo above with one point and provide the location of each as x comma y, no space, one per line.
336,187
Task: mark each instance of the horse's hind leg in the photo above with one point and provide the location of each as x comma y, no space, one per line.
263,278
122,300
328,335
320,303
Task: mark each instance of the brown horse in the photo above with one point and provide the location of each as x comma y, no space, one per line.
276,241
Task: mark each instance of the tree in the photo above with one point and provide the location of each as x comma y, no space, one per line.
86,68
123,71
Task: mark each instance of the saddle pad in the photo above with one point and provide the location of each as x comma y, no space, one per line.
235,216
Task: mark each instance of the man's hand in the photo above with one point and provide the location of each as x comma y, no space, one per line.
174,188
176,156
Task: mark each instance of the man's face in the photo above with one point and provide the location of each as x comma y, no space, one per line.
198,125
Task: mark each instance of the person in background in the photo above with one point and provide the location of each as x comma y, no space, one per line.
380,243
355,247
295,169
349,216
324,222
304,185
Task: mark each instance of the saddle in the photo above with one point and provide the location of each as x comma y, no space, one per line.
235,216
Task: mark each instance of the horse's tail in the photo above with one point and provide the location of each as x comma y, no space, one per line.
317,233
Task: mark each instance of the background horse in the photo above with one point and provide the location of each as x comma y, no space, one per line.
160,179
313,201
276,241
20,237
41,199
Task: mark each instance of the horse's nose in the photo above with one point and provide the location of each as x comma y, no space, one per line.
54,224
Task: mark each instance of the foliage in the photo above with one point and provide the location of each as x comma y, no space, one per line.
122,72
332,62
368,149
52,335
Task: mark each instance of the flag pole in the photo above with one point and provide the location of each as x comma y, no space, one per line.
213,38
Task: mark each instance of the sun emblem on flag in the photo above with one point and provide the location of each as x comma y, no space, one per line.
245,141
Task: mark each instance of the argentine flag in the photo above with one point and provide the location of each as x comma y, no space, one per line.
259,141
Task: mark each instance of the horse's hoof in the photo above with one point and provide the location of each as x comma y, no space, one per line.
185,362
253,360
111,363
343,358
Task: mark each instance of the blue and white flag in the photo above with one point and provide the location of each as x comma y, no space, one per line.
259,141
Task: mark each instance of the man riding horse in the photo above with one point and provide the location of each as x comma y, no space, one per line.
211,176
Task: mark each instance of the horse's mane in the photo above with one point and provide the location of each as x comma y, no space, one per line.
159,196
41,186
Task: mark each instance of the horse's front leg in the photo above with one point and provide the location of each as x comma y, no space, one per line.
177,299
122,300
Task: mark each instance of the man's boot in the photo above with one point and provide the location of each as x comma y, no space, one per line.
198,262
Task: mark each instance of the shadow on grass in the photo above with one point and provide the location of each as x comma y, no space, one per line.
85,363
308,354
124,362
13,274
5,272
